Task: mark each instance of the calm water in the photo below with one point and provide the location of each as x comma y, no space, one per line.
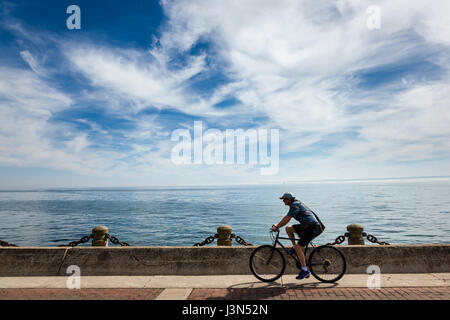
396,212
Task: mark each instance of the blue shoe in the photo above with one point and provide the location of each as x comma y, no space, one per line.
303,274
291,251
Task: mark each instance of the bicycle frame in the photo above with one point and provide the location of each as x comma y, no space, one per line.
277,241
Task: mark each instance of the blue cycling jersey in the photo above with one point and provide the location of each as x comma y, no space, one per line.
300,212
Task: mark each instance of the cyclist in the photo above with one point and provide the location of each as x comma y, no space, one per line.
307,229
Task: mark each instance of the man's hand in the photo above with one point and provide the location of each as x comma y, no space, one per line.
282,223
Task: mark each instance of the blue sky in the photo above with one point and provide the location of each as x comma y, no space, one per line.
97,106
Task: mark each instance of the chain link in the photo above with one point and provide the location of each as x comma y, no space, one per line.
210,239
373,239
75,243
115,240
240,240
6,244
206,241
338,240
85,239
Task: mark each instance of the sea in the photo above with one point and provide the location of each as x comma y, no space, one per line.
397,212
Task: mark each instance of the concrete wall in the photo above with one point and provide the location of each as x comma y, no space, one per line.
211,260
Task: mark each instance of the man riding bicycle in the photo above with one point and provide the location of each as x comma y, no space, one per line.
307,229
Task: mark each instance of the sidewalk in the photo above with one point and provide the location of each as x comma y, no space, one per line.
435,286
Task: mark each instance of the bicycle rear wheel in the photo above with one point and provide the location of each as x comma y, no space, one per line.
327,263
267,263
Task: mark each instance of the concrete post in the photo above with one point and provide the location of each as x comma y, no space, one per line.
99,233
224,238
355,234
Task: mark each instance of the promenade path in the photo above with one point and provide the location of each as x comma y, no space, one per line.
431,286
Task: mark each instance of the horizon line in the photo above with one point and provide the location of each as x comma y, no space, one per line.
223,185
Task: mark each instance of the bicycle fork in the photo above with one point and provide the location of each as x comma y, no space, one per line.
271,255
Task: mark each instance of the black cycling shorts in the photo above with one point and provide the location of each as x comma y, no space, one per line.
306,235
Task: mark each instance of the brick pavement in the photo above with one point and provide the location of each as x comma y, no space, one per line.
82,294
405,293
409,293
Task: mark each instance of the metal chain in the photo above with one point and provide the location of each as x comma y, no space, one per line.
369,237
75,243
206,241
210,239
240,240
373,239
338,240
6,244
115,240
85,239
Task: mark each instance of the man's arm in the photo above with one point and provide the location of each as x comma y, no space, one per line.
282,223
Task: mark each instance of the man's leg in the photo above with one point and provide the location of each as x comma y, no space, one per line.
298,249
300,254
306,237
291,233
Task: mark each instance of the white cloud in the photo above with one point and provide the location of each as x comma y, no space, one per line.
31,61
142,79
29,137
294,63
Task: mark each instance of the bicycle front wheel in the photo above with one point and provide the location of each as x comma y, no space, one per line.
327,263
267,263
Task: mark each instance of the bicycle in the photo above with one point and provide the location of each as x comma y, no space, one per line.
326,263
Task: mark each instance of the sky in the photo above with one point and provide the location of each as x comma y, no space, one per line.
354,93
